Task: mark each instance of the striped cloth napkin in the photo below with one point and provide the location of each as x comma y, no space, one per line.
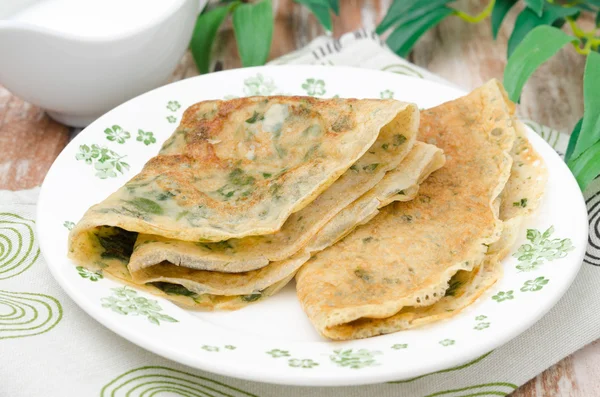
71,355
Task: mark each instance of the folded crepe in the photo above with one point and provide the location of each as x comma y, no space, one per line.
238,177
521,197
210,289
406,256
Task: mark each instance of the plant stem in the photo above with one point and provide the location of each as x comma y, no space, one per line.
591,42
476,18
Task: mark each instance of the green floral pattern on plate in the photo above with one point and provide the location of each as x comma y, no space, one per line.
69,225
302,363
447,342
259,85
541,249
314,87
146,137
387,94
117,134
480,318
126,301
276,353
210,348
482,326
173,106
171,119
92,276
106,162
399,346
355,359
503,296
534,285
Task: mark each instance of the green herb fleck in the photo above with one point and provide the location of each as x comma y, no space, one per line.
255,117
266,175
454,285
522,203
164,196
406,218
173,289
367,239
251,298
310,152
370,167
399,139
238,177
362,274
145,205
354,168
181,215
385,146
342,123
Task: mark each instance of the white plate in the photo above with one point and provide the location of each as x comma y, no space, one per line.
273,341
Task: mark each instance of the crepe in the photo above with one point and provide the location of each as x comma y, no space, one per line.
241,167
408,253
520,197
254,252
400,184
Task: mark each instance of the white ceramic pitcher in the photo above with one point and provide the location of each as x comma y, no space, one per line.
77,74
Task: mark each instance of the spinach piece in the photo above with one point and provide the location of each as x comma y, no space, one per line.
251,298
145,205
118,245
522,203
164,196
399,139
371,167
239,178
172,289
453,287
255,117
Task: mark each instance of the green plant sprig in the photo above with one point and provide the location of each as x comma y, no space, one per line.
535,38
252,26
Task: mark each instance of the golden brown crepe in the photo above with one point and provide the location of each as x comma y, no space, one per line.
254,252
408,253
520,197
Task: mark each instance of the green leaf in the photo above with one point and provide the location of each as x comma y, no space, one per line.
501,8
253,27
587,166
536,48
335,6
528,20
536,6
590,127
321,10
585,159
598,19
405,36
204,35
403,11
573,140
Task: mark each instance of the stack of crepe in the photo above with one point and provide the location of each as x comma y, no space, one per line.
389,218
245,191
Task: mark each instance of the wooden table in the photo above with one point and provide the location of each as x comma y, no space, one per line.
462,53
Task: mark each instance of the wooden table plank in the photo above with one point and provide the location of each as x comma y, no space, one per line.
29,142
462,53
